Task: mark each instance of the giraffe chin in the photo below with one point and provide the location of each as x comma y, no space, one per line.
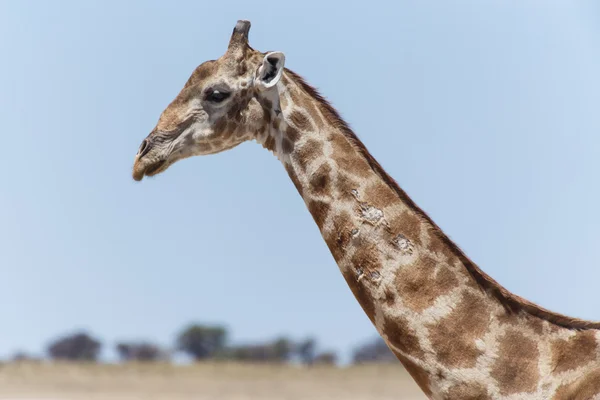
139,171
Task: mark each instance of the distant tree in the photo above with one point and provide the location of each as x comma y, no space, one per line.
76,347
257,353
140,352
375,351
306,350
326,358
282,349
202,342
277,351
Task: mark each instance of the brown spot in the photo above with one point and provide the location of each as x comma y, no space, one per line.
564,392
204,147
294,178
242,68
269,143
267,104
516,368
469,282
438,245
231,126
552,328
363,263
202,72
366,256
402,337
339,237
362,294
536,324
240,132
517,320
584,388
286,146
464,325
390,297
408,224
319,210
468,391
296,96
380,195
507,318
301,121
261,131
266,117
292,134
320,181
345,184
276,124
347,158
312,109
421,283
574,352
303,101
235,112
220,126
420,376
317,119
308,152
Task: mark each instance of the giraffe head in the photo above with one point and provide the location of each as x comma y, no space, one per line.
224,103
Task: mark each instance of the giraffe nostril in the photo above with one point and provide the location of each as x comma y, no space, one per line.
144,148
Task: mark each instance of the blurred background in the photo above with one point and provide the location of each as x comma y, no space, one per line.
486,113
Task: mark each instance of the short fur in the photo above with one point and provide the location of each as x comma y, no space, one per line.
510,301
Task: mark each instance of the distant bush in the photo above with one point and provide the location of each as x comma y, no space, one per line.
249,353
282,349
140,352
277,351
306,350
375,351
326,358
209,342
75,347
202,342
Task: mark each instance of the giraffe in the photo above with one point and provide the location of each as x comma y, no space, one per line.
459,333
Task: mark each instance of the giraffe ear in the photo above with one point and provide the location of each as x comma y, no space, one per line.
270,71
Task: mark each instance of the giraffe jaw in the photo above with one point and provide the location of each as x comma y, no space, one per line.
141,169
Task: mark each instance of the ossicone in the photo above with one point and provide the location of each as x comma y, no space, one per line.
239,37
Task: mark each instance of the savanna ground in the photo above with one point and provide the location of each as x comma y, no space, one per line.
41,381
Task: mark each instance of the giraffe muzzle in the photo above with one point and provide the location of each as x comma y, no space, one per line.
141,168
146,163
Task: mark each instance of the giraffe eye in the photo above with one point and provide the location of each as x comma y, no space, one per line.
216,96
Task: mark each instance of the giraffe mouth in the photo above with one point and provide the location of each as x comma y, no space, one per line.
140,170
156,168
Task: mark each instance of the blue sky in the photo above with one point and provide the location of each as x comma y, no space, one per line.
485,112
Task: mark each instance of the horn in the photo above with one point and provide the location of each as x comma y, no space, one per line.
239,37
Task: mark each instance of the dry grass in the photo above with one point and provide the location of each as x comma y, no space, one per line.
205,381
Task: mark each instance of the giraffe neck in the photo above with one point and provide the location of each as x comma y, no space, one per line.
454,338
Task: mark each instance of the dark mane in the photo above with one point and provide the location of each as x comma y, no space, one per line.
511,302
